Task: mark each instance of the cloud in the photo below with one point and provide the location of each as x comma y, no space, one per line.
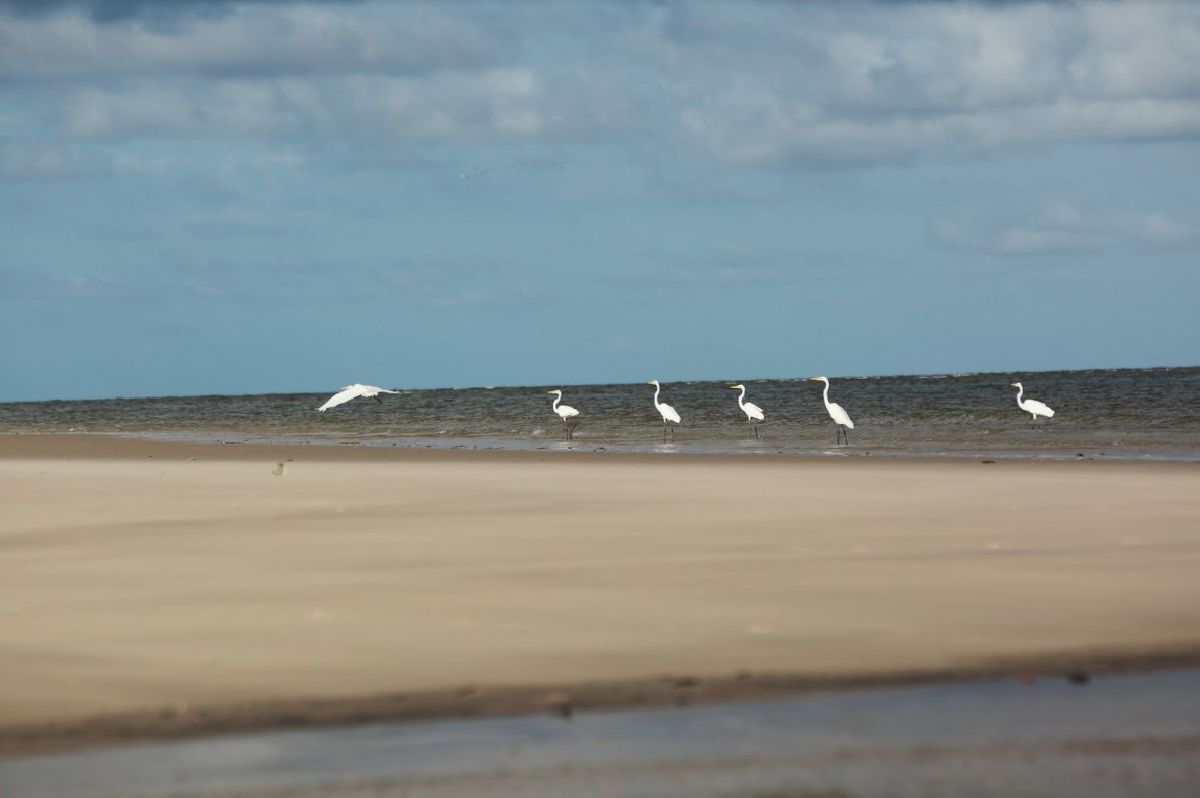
731,268
23,283
1062,228
38,161
747,84
866,83
248,41
236,221
745,129
502,103
110,10
455,284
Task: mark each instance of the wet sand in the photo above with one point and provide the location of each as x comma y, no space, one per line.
1113,738
153,589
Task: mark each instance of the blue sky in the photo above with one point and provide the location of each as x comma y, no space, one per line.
228,197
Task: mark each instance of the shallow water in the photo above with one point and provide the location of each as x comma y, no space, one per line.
1116,736
1124,413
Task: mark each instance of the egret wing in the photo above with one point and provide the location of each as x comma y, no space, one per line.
342,396
373,390
669,413
839,415
754,411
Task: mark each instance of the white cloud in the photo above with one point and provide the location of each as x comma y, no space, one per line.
38,161
506,103
1060,227
747,83
251,40
455,284
148,109
872,82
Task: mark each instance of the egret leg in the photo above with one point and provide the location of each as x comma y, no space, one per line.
672,434
664,432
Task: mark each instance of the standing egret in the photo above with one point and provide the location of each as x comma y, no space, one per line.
666,411
753,412
1031,406
564,412
354,391
840,418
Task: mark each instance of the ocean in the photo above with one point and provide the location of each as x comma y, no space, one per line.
1144,414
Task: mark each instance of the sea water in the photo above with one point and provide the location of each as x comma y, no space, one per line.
1147,414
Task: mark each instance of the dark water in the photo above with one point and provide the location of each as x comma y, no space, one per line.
1117,736
1122,413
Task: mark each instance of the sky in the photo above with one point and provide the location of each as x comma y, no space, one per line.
200,196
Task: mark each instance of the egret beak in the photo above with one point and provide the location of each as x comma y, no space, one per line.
550,391
1013,385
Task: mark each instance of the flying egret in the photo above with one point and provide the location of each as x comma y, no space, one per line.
352,392
1031,406
564,412
753,412
839,416
665,410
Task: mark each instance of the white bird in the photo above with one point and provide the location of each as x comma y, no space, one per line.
665,410
564,412
753,412
839,416
353,392
1031,406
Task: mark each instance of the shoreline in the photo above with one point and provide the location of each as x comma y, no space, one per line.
161,589
664,691
563,701
138,446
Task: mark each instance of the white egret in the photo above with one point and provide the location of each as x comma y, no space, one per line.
753,412
840,418
353,392
665,410
1031,406
564,412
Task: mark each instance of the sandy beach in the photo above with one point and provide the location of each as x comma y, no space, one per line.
153,589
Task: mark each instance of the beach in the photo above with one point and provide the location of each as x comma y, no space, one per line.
157,588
